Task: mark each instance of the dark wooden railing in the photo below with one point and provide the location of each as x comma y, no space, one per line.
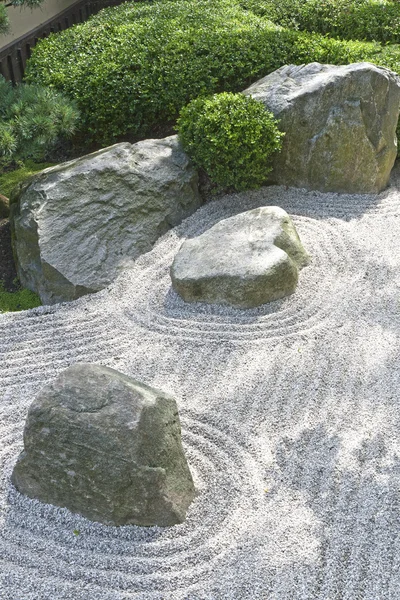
13,57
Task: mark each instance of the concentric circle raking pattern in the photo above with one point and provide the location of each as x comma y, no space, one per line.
155,306
225,471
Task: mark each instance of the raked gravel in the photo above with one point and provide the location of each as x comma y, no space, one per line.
290,421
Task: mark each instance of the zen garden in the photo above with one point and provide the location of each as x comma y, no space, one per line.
200,304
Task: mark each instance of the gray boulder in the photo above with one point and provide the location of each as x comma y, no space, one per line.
340,124
77,225
245,260
107,447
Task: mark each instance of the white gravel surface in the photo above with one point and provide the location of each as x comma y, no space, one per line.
290,421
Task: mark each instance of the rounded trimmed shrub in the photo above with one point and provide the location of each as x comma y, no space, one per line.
230,136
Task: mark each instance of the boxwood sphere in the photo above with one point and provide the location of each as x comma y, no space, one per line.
230,136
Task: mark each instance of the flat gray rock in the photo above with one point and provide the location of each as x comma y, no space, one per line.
77,225
340,124
107,447
245,260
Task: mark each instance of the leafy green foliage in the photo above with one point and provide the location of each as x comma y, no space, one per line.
19,300
230,136
32,118
347,19
131,68
10,179
134,66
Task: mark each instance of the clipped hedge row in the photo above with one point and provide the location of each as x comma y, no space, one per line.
133,67
372,20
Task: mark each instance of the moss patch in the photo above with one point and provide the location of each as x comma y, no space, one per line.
15,301
10,179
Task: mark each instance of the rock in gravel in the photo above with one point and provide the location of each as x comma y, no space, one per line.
246,260
107,447
77,225
340,124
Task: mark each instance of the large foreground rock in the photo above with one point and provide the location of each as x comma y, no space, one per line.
340,124
77,225
107,447
245,260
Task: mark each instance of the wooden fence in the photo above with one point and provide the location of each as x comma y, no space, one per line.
13,57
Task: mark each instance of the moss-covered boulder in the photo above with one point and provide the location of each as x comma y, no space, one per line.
340,124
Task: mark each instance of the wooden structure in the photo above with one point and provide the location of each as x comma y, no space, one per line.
13,57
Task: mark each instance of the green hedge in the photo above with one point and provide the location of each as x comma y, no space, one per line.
133,67
347,19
